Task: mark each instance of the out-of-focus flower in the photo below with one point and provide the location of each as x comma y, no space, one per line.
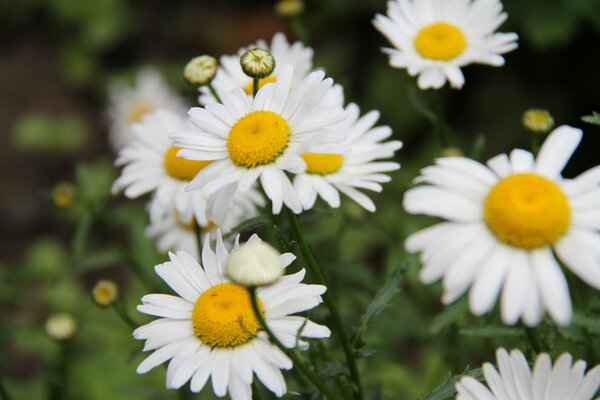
515,380
289,8
435,38
200,70
508,224
538,120
128,105
105,292
61,326
210,329
63,194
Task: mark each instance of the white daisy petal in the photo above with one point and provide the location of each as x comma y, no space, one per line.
556,150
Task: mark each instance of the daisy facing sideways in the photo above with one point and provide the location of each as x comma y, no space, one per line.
209,330
328,174
230,74
259,140
435,38
128,105
514,380
508,226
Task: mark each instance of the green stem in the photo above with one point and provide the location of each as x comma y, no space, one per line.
534,340
198,231
58,383
3,392
335,314
298,363
255,83
122,313
214,92
536,140
299,29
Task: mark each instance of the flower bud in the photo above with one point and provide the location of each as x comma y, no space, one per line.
289,8
538,120
254,264
105,293
200,70
61,326
257,63
63,194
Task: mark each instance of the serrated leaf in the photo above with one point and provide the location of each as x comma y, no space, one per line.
447,390
491,331
592,119
380,302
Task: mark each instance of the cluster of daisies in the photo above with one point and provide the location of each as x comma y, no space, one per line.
270,131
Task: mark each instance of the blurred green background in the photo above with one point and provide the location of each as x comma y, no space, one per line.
57,58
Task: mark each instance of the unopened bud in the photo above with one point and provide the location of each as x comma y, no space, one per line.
61,326
200,70
257,63
105,293
538,120
289,8
254,264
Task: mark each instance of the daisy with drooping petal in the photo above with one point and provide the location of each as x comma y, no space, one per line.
326,174
129,104
210,330
509,224
230,74
514,380
435,38
259,139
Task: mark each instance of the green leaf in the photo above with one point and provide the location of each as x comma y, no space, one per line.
591,324
592,119
492,331
380,302
39,132
333,370
447,390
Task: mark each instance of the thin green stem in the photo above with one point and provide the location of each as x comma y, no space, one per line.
3,392
298,363
122,313
536,140
255,84
198,231
214,92
335,314
534,340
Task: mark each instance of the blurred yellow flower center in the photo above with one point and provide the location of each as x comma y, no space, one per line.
181,168
105,292
261,82
258,138
223,316
440,41
191,224
527,211
321,163
137,112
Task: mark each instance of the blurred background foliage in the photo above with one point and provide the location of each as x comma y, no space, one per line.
57,58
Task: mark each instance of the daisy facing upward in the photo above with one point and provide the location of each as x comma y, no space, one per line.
508,226
435,38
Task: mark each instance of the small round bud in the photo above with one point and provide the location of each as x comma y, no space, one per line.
61,326
538,120
105,293
200,70
63,194
289,8
257,63
452,152
254,264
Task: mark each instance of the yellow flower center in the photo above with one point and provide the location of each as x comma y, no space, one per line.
191,224
223,316
181,168
257,138
137,112
261,82
321,163
527,211
440,41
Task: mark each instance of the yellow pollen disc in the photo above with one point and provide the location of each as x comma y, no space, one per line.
440,41
321,163
137,112
527,211
261,82
223,316
257,138
181,168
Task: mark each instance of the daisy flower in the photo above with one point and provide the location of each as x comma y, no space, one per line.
259,139
129,104
151,165
328,174
509,225
435,38
514,380
230,74
209,329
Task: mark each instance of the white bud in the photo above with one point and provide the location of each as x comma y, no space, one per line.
257,63
200,70
254,264
61,326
